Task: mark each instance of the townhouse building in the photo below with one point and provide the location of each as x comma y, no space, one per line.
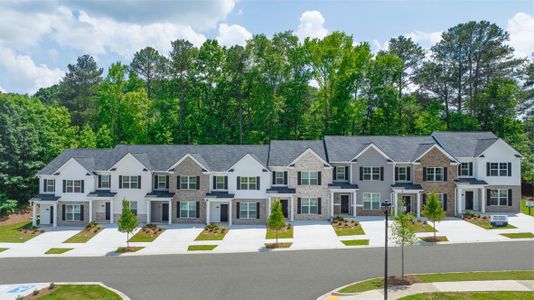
313,179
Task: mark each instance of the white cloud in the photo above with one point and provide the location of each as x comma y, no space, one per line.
377,46
521,29
24,74
425,39
230,35
311,25
2,90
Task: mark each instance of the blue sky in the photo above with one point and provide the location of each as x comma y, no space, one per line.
39,38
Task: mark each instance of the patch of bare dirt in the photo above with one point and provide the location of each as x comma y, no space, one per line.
19,216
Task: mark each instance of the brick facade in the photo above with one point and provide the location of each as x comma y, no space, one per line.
62,222
263,212
188,167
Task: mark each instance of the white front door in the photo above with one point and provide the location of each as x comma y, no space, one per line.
215,212
45,214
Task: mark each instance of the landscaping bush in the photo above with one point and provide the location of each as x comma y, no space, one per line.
7,206
52,286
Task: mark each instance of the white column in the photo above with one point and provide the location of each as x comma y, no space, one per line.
292,210
111,214
207,212
396,203
230,213
148,212
90,211
331,204
459,199
354,203
483,197
170,211
34,213
418,204
268,207
55,215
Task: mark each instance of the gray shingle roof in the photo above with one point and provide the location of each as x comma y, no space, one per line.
44,197
465,144
283,152
91,159
399,148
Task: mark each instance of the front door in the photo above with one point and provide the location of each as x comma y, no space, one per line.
469,200
345,204
108,211
51,215
407,202
224,212
284,207
165,212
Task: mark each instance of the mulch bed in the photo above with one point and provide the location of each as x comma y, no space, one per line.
407,280
42,292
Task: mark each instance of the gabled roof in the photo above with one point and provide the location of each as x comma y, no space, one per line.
90,159
284,152
465,144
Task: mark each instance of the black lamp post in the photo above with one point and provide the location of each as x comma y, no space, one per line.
385,206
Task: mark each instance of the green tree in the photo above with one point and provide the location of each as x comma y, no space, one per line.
149,66
104,137
127,221
86,137
433,210
402,234
276,220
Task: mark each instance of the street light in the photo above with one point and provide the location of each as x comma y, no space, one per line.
385,206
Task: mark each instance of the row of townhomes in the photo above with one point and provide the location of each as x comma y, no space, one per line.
314,179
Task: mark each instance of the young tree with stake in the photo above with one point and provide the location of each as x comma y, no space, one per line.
127,221
402,234
276,219
433,210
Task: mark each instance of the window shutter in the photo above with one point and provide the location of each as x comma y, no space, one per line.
167,182
237,208
488,196
408,173
155,181
298,178
64,186
139,182
225,182
257,210
299,201
81,212
198,209
237,183
274,177
459,170
83,186
319,178
120,181
424,173
258,183
470,169
63,211
445,174
509,169
285,177
178,209
334,174
396,173
178,182
361,173
381,173
318,206
198,182
214,185
488,169
424,199
99,181
509,197
445,203
347,173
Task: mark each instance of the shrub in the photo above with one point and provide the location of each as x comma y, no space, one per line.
52,286
7,206
92,225
35,292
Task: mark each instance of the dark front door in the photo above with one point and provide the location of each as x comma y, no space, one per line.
344,204
469,200
407,202
165,212
51,215
284,207
108,210
224,212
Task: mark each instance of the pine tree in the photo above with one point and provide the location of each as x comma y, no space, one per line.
276,219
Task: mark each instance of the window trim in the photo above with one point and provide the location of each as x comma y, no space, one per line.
405,169
189,185
191,214
371,173
99,182
308,204
72,213
278,178
461,169
45,186
158,182
73,186
371,200
128,183
247,185
310,180
216,178
434,174
250,212
500,168
499,197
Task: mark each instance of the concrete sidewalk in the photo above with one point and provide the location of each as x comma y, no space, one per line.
455,286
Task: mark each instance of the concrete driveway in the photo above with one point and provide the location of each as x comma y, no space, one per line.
314,235
524,223
242,238
51,238
175,238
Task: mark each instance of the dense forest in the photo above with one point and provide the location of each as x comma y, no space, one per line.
274,88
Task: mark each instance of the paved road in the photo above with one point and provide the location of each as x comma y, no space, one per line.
273,275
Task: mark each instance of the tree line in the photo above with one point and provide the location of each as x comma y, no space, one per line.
274,88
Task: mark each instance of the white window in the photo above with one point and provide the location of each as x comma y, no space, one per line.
434,174
188,183
498,169
247,183
371,201
73,186
133,207
371,173
220,183
279,178
309,178
104,181
340,173
463,169
73,212
309,206
188,209
49,186
402,173
247,210
130,182
162,182
499,197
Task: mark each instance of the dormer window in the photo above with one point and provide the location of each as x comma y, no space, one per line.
161,182
340,173
104,181
279,178
220,182
402,173
465,169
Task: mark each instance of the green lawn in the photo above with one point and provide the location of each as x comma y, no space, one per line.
284,233
80,292
356,242
518,235
421,227
524,208
201,247
130,249
147,234
18,233
84,236
211,235
485,223
472,296
57,250
279,245
3,249
376,283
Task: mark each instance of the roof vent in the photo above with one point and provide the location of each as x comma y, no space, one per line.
114,169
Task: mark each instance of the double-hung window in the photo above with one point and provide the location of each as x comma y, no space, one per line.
73,212
162,182
340,174
371,173
247,183
73,186
402,173
133,207
129,182
309,178
499,197
49,185
279,178
371,201
309,206
498,169
220,183
188,182
464,169
104,181
247,210
188,209
434,174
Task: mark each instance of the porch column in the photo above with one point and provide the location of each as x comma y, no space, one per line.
34,213
230,208
331,204
459,199
291,211
483,198
396,204
207,212
90,211
54,215
111,214
148,212
354,203
418,205
268,207
170,211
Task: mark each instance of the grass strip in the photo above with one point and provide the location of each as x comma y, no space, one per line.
356,242
57,250
201,247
